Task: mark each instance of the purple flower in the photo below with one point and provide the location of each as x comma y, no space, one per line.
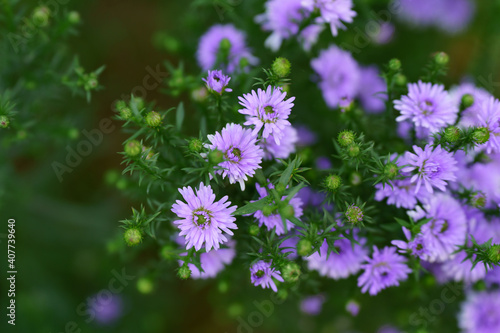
267,109
217,81
309,36
489,117
433,167
386,268
338,265
373,91
289,246
383,34
401,194
282,150
415,247
306,136
339,75
427,105
469,116
210,47
274,220
323,163
261,274
352,307
312,305
242,155
333,12
446,229
202,219
105,309
212,262
479,312
283,18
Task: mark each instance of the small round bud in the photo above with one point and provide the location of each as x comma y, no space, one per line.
478,200
452,134
354,214
147,153
223,286
333,182
133,148
441,58
253,230
41,16
153,119
4,121
121,184
467,101
215,157
400,79
111,177
195,145
184,272
287,212
132,236
291,272
235,310
168,252
73,133
355,178
353,150
304,247
481,135
346,138
268,210
280,188
282,294
391,170
91,83
200,94
125,113
494,253
281,67
394,64
74,17
145,285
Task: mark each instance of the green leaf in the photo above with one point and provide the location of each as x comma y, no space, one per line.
287,174
179,116
403,223
252,207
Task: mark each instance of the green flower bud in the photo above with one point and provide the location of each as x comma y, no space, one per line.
139,102
333,182
391,170
168,252
223,286
133,236
478,200
291,272
195,145
153,119
287,212
74,17
494,253
215,157
282,293
4,121
268,210
253,230
133,148
304,247
353,150
121,184
355,178
400,79
73,133
41,16
441,58
467,101
91,83
354,214
481,135
147,153
235,310
394,65
452,134
200,94
184,272
145,285
280,188
111,177
281,67
125,113
346,138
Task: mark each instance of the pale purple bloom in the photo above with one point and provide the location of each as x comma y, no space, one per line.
339,75
212,262
312,305
289,246
105,310
485,177
469,116
432,167
401,194
282,150
333,12
386,268
427,105
306,136
217,81
338,265
309,36
323,163
479,312
261,274
203,221
415,246
493,276
373,91
267,109
314,198
352,307
384,33
209,48
489,118
274,220
242,155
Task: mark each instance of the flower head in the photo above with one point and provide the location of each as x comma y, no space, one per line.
479,312
217,81
203,221
386,268
282,150
489,118
372,92
261,274
212,262
333,12
427,105
312,305
241,154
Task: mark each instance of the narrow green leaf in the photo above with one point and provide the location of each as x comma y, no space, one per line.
252,207
179,116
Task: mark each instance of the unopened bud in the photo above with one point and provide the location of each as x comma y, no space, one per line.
478,200
304,247
253,230
195,145
394,65
333,182
391,170
452,134
346,138
481,135
494,253
153,119
215,157
441,58
281,67
291,272
353,150
145,285
467,101
4,121
41,16
354,214
184,272
132,236
133,148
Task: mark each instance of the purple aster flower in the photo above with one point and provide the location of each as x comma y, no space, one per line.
306,136
339,75
386,268
485,177
489,118
338,265
210,47
202,219
274,220
402,193
282,150
445,231
314,199
433,167
352,307
242,155
383,34
312,305
212,262
289,246
267,109
333,12
372,93
217,81
106,310
493,276
427,105
469,116
415,247
309,36
323,163
261,274
479,312
283,18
